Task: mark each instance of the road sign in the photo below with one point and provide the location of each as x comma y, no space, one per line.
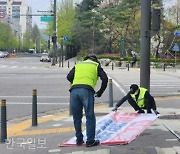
177,33
66,38
46,18
2,14
175,47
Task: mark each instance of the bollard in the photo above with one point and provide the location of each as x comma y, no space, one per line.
110,93
68,64
164,67
3,121
128,66
112,66
34,108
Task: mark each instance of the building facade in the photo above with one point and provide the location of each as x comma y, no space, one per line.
15,13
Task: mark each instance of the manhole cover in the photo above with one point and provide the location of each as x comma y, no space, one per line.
174,116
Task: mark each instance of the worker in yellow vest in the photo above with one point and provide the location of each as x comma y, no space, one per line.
139,98
83,78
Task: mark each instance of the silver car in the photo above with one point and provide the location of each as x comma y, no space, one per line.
45,57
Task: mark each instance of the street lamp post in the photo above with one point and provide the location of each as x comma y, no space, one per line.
93,20
54,36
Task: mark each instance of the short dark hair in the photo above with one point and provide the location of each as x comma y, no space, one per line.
134,87
92,57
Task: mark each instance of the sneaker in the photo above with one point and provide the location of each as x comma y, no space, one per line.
79,141
91,144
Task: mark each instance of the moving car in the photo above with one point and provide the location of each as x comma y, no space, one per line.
45,57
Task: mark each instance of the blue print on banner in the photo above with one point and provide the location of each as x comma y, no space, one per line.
104,132
105,122
105,135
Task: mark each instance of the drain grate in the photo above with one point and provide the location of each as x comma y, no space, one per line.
173,116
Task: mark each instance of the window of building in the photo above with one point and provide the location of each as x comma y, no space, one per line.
3,8
16,12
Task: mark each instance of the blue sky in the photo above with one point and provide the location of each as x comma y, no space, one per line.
41,5
44,5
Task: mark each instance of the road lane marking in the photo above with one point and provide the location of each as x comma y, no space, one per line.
25,103
4,66
13,66
57,125
118,86
37,96
33,67
54,150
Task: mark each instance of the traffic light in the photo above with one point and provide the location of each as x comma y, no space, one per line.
54,39
48,44
156,19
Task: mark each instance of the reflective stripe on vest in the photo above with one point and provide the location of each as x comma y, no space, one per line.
86,73
140,101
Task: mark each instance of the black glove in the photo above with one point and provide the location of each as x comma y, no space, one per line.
115,109
98,94
156,112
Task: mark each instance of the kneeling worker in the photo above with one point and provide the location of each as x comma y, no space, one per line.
139,98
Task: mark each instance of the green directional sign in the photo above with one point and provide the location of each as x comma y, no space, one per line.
46,18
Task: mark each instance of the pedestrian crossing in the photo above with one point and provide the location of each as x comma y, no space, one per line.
161,84
21,67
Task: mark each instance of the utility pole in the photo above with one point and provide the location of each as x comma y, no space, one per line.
54,37
145,43
146,33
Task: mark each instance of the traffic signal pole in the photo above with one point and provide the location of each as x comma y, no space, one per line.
54,36
145,43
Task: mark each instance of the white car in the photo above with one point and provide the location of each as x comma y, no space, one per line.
4,54
45,57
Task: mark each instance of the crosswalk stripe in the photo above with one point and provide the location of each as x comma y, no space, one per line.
4,66
21,67
13,66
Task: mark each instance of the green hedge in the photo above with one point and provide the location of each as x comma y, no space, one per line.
130,59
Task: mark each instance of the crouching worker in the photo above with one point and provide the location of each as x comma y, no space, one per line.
139,98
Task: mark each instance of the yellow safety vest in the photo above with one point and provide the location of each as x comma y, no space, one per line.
140,101
86,73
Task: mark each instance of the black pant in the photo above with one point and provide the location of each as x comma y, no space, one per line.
132,63
148,105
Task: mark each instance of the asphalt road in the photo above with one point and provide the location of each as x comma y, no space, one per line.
19,76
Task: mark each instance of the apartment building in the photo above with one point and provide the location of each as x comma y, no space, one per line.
14,12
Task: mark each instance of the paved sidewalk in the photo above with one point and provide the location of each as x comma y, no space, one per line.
55,127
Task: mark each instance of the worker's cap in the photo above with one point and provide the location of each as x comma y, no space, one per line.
92,57
133,88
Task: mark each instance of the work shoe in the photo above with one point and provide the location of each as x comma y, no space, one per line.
141,111
91,144
149,111
79,141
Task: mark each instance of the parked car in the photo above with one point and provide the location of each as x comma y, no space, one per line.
45,57
4,54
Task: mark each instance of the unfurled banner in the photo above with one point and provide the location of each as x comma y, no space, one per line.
118,128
